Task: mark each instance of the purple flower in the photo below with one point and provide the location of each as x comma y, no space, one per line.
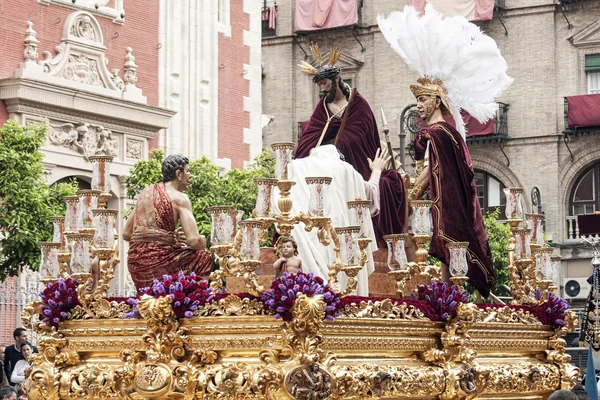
188,314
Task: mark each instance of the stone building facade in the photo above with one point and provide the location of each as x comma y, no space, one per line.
120,77
546,47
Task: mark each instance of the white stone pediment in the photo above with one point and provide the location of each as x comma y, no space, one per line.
80,62
588,36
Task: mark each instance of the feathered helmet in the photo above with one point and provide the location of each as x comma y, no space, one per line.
327,71
453,59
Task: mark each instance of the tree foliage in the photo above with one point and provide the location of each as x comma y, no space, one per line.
498,233
207,187
26,201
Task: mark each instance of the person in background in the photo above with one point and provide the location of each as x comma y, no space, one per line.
2,380
8,393
563,395
18,374
12,354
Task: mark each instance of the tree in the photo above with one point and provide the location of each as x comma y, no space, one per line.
207,186
26,201
498,234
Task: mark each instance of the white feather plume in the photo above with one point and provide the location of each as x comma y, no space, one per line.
453,50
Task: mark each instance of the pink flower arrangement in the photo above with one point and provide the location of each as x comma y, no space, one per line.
442,297
58,299
282,296
188,292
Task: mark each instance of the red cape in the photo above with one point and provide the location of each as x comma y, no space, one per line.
359,141
456,211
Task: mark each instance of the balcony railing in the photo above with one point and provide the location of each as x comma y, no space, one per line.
269,15
494,129
581,113
573,229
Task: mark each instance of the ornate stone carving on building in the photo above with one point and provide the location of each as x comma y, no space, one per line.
87,139
134,149
80,60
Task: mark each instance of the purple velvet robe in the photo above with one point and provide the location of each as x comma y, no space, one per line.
456,211
358,141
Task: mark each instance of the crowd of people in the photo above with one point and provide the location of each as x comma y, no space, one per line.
15,359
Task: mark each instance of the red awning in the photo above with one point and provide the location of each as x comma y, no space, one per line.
584,111
474,127
314,15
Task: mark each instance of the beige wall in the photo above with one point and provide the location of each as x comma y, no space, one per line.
545,65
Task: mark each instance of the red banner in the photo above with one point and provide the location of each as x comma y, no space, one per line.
472,10
584,111
314,15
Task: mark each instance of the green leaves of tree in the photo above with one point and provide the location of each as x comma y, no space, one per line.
26,201
498,233
208,186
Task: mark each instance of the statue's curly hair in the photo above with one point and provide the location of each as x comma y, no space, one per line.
171,165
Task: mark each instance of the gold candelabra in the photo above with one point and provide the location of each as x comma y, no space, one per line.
228,254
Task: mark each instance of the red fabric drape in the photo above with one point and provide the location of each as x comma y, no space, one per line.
473,10
584,110
325,14
474,127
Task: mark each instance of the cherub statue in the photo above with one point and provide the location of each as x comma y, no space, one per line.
288,260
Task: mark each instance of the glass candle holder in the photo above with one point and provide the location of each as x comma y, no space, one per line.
80,252
88,201
555,269
318,202
422,223
535,222
262,209
101,172
72,220
396,251
250,249
104,237
283,158
349,250
49,265
522,248
360,214
223,224
58,233
514,206
543,264
458,258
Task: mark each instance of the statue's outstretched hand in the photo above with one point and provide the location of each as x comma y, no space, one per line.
378,162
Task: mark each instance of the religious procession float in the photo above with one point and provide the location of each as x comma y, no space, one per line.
300,338
297,336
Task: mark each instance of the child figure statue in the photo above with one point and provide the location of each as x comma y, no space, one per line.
288,260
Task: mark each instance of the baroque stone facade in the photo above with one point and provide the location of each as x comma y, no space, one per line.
545,47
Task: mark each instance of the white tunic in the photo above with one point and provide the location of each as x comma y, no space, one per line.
346,185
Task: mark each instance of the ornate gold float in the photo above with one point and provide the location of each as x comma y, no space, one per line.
233,348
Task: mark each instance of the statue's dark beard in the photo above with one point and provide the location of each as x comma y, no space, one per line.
331,93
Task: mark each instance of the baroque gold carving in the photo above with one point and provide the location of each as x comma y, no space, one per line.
232,305
383,309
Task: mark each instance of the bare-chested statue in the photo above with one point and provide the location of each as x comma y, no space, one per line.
155,244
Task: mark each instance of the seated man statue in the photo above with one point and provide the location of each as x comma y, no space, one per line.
344,118
155,247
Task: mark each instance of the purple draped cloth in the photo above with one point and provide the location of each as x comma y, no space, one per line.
456,211
357,141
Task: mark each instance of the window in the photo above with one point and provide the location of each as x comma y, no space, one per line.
585,196
105,8
490,192
223,17
592,70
